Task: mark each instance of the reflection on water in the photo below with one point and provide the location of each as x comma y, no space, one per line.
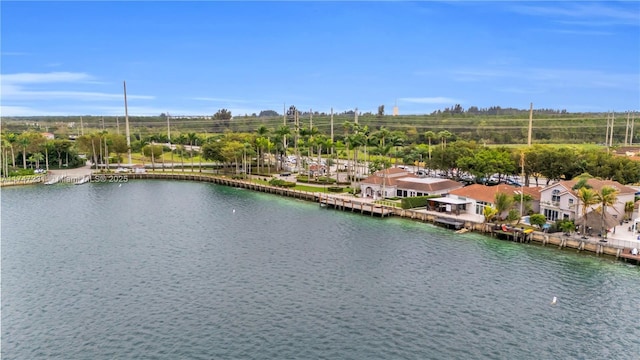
157,269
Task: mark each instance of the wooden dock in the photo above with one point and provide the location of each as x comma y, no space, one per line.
627,256
354,205
357,205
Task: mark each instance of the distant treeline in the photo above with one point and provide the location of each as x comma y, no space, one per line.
494,125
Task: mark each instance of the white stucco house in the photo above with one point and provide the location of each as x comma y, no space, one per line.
559,201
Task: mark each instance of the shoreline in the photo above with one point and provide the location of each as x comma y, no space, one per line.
615,247
354,204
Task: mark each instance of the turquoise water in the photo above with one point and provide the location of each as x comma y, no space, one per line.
156,269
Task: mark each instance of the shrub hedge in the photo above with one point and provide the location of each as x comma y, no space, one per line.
416,201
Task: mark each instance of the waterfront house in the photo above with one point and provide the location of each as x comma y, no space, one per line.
477,196
396,182
559,201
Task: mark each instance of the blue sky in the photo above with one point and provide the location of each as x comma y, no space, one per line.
193,58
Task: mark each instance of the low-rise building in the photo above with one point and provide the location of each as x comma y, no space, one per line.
477,196
396,182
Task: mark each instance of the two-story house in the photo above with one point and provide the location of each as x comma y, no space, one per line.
559,201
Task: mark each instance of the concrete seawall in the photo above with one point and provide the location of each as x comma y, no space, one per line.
354,204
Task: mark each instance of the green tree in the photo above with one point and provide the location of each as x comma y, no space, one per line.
628,209
430,135
538,220
607,196
222,114
503,202
489,213
587,198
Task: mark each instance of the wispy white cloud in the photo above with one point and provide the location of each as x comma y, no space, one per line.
19,87
612,13
580,32
223,100
429,100
11,110
551,78
39,78
13,53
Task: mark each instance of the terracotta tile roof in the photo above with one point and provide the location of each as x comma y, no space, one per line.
488,193
428,185
392,176
412,182
597,185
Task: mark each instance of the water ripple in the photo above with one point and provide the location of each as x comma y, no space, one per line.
168,270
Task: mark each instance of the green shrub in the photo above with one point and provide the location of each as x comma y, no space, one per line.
21,172
537,220
335,189
416,201
281,183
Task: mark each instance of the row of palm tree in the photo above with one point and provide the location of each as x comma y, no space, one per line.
588,197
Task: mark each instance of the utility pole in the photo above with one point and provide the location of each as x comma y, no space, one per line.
310,119
530,124
613,118
633,120
126,120
332,128
355,118
606,135
626,129
168,127
81,126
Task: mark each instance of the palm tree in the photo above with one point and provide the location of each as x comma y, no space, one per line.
283,132
11,139
261,133
607,196
628,209
37,157
444,135
502,202
489,213
193,138
430,135
24,141
588,198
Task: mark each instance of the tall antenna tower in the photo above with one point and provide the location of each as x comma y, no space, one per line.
126,120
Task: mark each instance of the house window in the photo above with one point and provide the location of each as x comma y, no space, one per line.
570,202
398,192
555,197
551,215
480,207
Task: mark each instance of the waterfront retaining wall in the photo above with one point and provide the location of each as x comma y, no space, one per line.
353,205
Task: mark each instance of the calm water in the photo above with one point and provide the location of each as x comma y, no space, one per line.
155,269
